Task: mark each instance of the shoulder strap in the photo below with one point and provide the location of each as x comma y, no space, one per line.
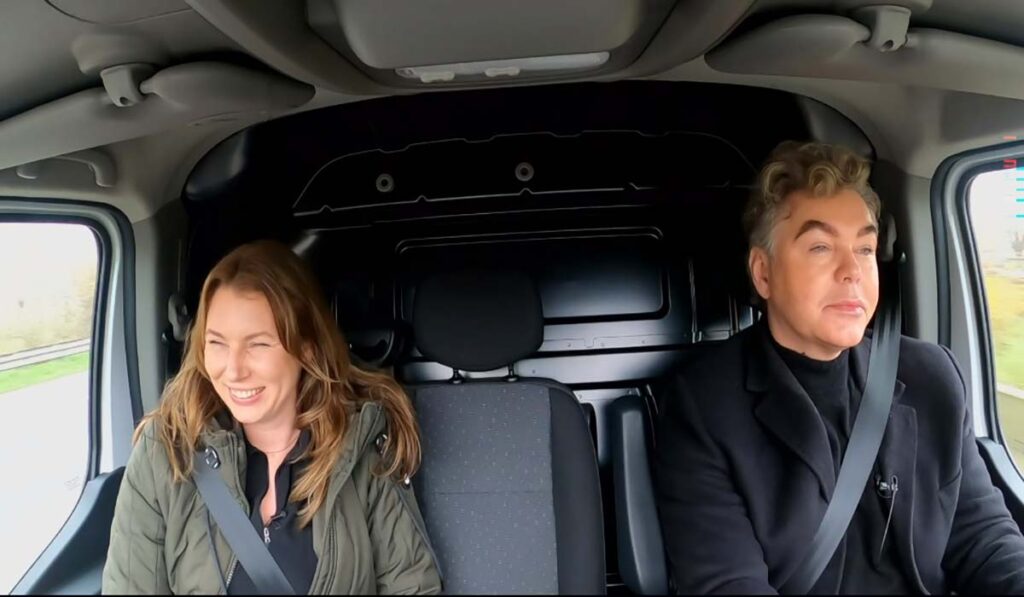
252,553
865,439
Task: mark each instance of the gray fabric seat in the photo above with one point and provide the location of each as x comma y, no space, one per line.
509,484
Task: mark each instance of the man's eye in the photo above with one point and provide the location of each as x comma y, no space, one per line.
868,251
819,248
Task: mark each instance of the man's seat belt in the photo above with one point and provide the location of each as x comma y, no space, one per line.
865,439
250,550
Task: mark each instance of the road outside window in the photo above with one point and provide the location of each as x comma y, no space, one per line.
47,301
996,203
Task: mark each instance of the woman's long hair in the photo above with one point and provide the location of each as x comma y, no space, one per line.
331,389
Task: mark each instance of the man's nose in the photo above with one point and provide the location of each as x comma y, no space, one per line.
849,268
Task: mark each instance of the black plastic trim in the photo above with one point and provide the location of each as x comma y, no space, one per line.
1001,466
131,344
939,186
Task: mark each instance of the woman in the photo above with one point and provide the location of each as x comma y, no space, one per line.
267,384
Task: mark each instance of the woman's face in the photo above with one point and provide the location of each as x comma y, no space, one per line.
255,377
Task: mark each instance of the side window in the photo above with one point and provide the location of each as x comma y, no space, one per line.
48,281
996,208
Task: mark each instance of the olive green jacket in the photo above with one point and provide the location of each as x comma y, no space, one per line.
365,535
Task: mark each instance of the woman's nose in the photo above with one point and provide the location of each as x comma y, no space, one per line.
236,366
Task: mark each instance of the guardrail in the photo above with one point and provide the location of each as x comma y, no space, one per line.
1010,390
43,354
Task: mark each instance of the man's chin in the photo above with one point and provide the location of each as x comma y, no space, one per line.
844,337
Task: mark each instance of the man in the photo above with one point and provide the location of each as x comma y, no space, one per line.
753,433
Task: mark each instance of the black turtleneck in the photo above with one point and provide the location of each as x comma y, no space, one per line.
858,563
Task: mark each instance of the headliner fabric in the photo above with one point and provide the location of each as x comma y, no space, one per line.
478,320
485,486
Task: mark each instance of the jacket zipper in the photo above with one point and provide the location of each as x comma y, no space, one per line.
231,574
266,527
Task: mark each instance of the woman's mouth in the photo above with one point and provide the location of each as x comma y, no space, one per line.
245,396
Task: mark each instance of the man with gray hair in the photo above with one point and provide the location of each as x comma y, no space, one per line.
753,432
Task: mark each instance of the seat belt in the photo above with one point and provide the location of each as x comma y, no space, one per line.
251,551
865,439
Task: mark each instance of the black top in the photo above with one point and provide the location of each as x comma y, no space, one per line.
291,547
865,566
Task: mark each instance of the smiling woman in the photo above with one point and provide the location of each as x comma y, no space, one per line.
267,387
252,372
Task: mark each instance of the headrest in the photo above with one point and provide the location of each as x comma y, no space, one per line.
886,238
476,320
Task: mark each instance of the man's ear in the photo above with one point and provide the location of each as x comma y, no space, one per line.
760,270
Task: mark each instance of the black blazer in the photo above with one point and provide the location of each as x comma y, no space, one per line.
745,472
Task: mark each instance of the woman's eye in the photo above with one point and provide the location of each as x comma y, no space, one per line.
215,342
819,248
260,345
868,251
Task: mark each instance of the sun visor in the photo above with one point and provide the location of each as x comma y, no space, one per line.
837,47
187,94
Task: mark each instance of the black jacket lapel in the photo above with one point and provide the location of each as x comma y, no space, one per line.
786,410
896,456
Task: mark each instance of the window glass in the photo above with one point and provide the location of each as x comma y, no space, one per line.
996,204
48,277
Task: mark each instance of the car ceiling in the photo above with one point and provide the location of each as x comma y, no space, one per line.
51,54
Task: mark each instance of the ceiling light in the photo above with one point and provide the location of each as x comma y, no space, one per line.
514,67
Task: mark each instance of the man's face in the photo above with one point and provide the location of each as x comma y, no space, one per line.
821,279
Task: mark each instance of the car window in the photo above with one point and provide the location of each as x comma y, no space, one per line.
996,204
47,305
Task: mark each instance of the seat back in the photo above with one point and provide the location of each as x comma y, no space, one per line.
509,485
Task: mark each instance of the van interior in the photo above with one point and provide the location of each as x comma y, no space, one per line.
527,212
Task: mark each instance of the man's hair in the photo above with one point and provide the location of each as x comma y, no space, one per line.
819,168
